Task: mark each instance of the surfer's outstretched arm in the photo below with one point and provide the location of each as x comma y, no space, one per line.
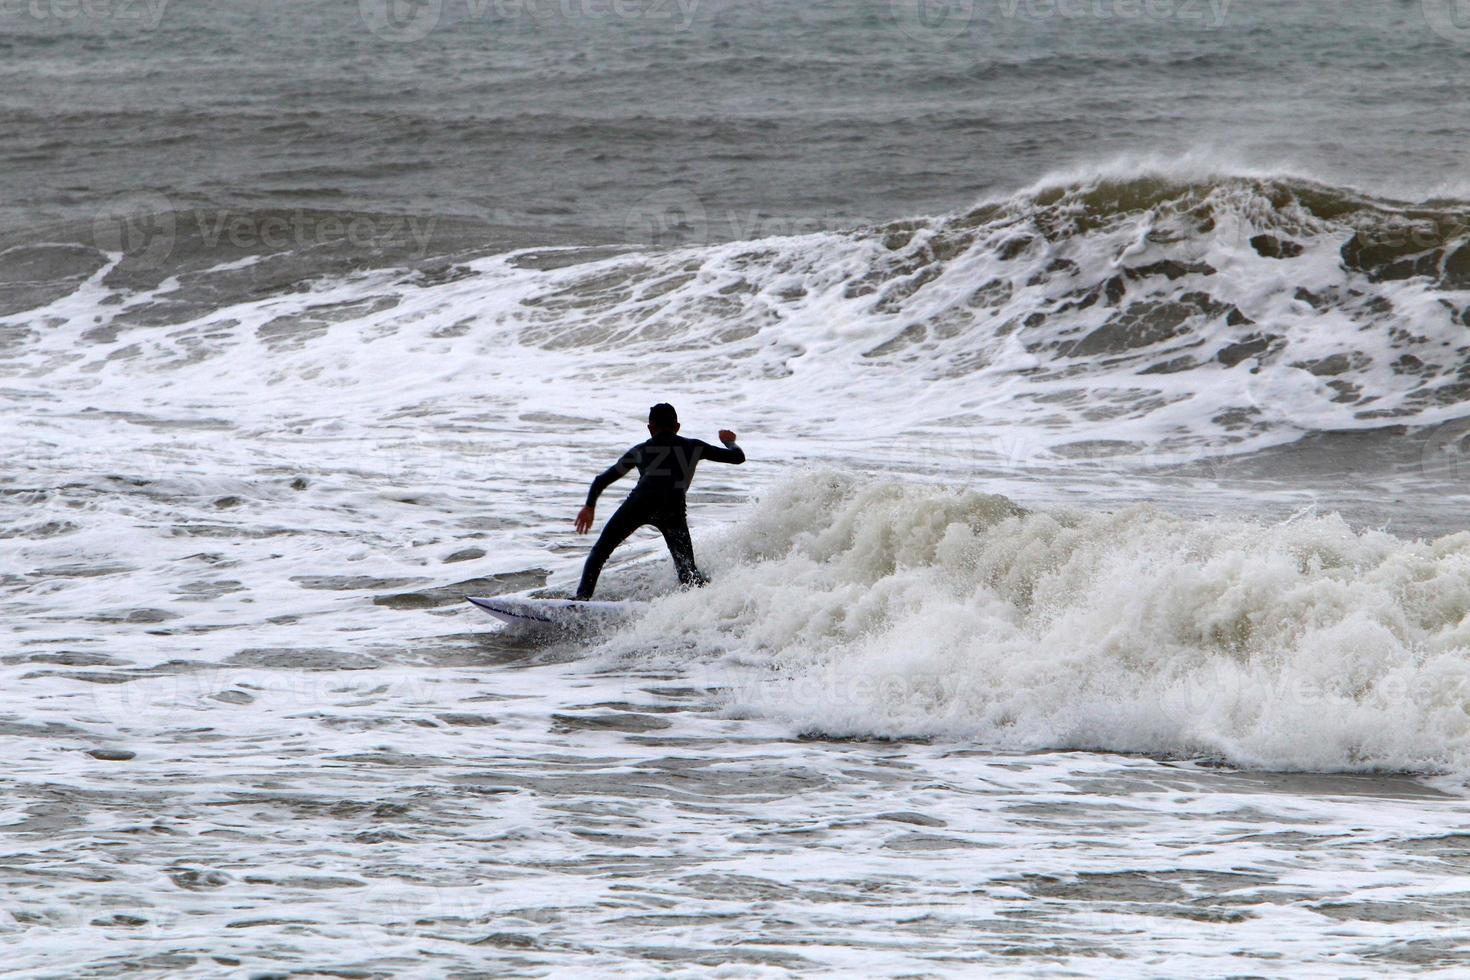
730,454
604,479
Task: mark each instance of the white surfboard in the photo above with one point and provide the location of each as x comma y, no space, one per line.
551,612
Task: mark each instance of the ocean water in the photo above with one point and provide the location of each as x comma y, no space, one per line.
1093,603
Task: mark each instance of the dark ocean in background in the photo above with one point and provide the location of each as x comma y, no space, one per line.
1095,600
555,120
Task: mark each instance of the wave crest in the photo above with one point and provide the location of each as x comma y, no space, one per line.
1136,315
883,609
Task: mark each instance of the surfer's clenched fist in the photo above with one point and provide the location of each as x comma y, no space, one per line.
726,436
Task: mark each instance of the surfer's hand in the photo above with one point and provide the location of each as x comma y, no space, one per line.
726,435
584,519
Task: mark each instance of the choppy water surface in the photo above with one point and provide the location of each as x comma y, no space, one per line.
501,819
1094,601
253,729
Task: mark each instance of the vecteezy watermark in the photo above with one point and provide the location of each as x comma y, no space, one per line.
944,20
1450,19
141,226
933,20
413,20
667,217
167,699
426,458
146,229
297,229
1445,452
401,20
676,216
1199,14
1224,682
1412,231
147,14
396,916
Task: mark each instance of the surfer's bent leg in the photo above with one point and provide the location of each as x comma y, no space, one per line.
625,520
675,529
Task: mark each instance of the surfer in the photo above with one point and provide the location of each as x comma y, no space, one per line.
665,465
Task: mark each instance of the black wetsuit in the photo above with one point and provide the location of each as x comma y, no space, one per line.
665,469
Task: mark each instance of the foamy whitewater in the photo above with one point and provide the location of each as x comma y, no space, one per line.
1094,601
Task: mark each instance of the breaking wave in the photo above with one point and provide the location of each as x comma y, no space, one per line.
854,607
1133,316
1116,315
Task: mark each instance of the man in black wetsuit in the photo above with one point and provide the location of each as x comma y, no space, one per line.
665,469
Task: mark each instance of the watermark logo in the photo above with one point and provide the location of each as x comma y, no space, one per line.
933,20
677,217
140,226
401,21
307,229
679,14
413,20
145,700
1445,452
1397,233
1214,687
147,14
395,917
666,218
1450,19
1199,14
425,459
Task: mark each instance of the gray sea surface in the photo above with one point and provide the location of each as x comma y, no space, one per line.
1092,603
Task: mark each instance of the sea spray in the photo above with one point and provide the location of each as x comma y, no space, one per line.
855,607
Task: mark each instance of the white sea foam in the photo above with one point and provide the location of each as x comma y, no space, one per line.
1131,317
1127,318
249,719
873,608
